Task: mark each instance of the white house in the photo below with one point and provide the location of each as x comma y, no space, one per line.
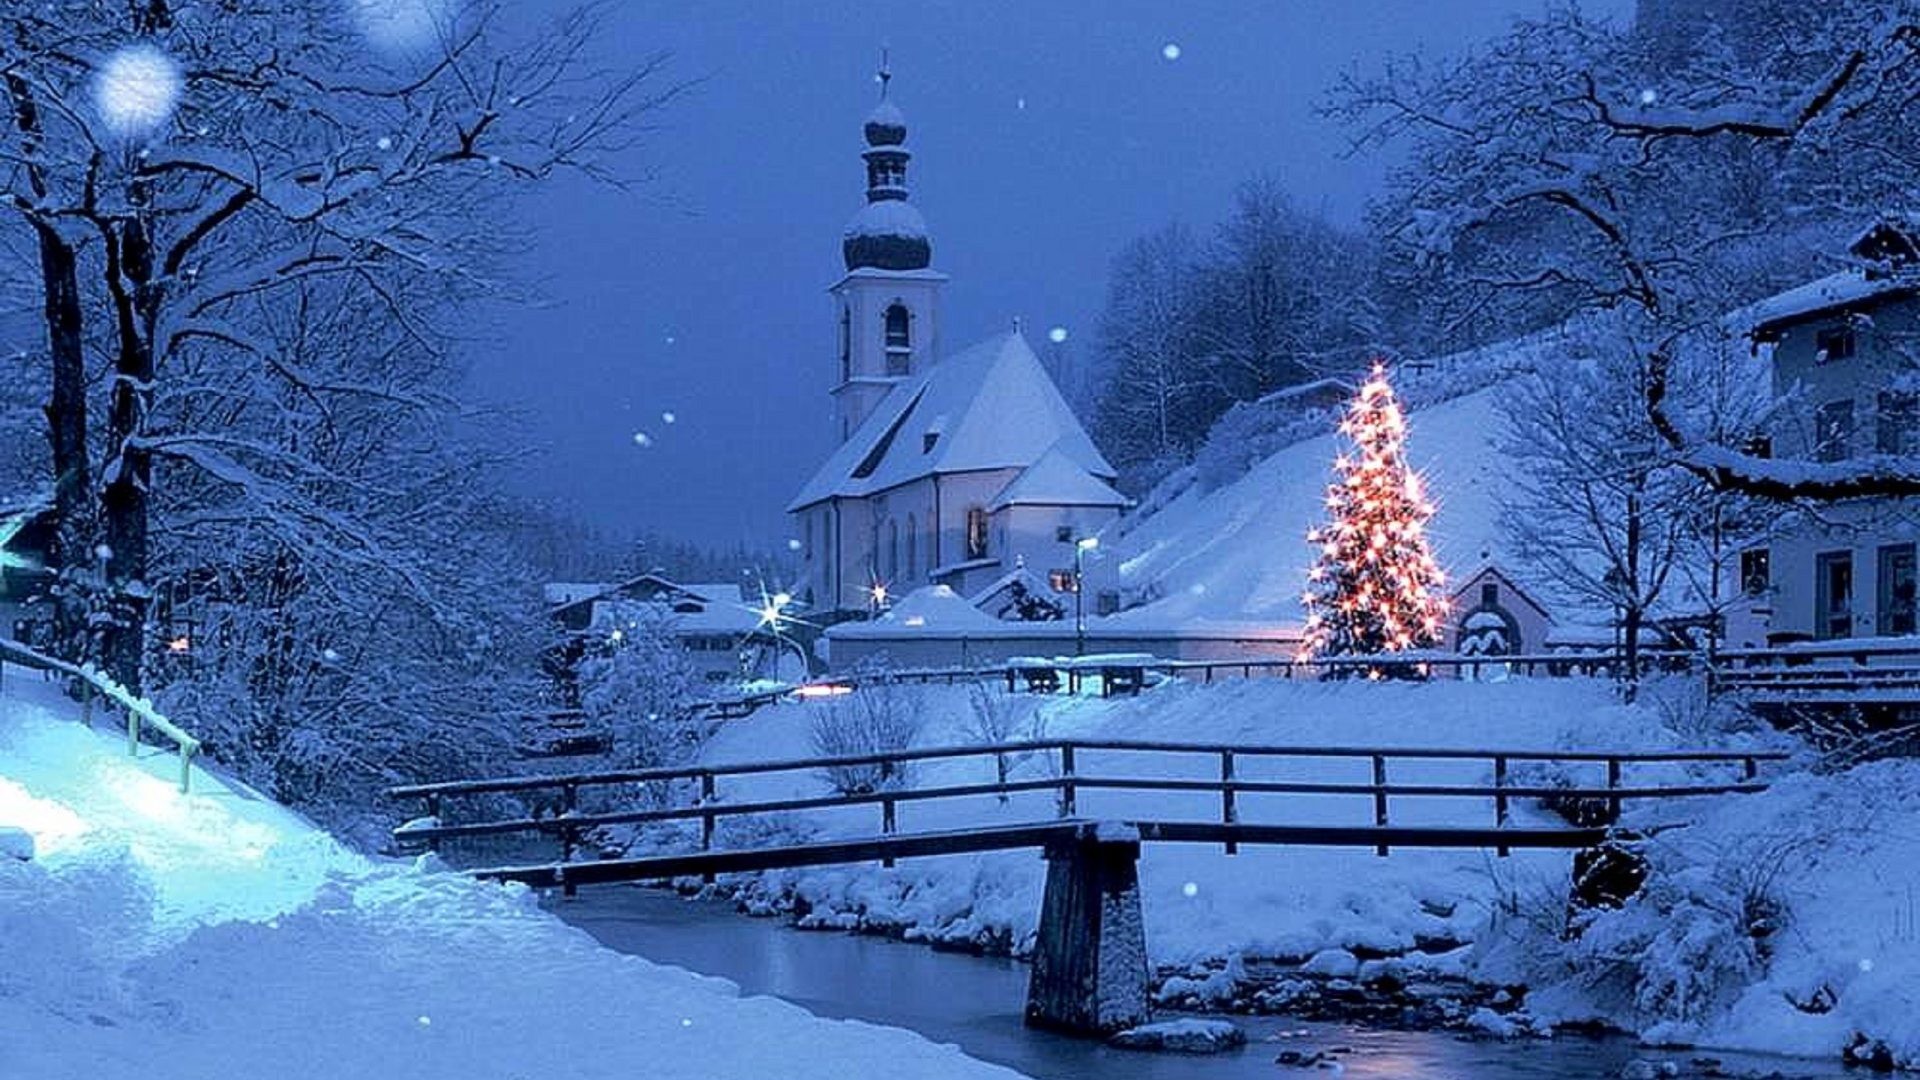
952,469
1845,368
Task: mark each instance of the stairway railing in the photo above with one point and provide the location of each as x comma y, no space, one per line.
140,712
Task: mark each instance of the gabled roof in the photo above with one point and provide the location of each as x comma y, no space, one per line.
989,407
1847,289
1462,602
1056,480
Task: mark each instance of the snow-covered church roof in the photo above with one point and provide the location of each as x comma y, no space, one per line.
1057,480
988,407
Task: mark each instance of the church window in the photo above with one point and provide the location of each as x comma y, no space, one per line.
976,532
913,549
846,343
899,339
893,549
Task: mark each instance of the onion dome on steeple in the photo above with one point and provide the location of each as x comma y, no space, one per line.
887,233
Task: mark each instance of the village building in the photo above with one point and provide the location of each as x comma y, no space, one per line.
953,469
725,635
1847,375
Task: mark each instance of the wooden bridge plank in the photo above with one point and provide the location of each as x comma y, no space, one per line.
1030,835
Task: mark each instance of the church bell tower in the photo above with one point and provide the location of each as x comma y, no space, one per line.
888,304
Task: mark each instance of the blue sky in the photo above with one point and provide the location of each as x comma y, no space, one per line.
1046,135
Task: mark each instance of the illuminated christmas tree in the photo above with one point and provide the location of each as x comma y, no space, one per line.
1375,587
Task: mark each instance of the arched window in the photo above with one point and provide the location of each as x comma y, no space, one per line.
846,343
976,532
913,550
893,549
899,339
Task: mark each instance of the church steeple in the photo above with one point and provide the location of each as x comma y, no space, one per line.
889,301
887,233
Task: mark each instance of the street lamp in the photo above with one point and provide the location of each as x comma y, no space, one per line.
1080,549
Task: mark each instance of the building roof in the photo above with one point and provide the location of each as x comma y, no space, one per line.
1463,602
1056,480
1845,289
988,407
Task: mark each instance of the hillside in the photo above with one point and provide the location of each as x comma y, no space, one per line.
160,936
1240,551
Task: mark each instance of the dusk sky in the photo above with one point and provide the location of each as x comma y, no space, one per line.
1045,137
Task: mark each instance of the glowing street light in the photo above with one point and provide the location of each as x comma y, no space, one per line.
1080,549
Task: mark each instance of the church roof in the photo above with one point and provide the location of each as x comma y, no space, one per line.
1057,480
988,407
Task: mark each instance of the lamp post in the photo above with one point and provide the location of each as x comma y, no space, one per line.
1080,549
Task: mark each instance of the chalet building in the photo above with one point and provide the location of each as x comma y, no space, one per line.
1494,616
720,630
953,468
1845,366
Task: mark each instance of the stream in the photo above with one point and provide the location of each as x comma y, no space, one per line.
976,1002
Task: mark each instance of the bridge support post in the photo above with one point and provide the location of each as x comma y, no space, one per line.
1089,972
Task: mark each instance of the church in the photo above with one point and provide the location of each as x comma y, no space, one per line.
966,468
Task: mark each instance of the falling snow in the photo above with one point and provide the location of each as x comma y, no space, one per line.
1170,51
137,90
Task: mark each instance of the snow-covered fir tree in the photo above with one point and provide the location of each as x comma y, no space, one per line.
1375,587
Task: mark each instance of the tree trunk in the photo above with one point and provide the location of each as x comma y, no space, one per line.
66,409
126,498
1634,613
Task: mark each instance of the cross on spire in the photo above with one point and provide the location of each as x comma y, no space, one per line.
886,72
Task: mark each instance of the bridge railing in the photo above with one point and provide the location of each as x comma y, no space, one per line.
694,792
1069,671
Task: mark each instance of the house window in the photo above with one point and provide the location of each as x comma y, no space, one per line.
976,532
1107,603
1063,533
1833,343
1061,581
1896,589
809,518
1833,430
1759,446
899,339
1489,595
893,549
1898,413
1756,571
1833,595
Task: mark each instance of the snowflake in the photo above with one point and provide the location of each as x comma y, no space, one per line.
402,24
137,90
1057,335
1170,51
642,440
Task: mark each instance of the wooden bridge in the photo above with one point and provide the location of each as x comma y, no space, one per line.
1037,798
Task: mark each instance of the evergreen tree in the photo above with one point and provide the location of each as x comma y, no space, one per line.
1375,587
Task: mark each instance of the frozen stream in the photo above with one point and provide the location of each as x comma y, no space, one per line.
976,1002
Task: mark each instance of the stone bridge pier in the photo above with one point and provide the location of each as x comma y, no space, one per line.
1089,973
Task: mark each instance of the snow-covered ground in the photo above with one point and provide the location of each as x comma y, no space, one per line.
1833,855
158,936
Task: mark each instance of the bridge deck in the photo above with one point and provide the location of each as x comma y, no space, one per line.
1032,835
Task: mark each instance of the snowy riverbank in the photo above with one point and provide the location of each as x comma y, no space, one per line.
1823,863
159,936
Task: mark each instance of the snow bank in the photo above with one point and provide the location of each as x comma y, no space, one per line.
158,936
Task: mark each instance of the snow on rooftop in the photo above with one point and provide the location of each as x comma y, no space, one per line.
888,217
996,406
570,592
933,608
1057,480
1833,291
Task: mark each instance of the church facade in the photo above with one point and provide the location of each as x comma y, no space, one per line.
953,469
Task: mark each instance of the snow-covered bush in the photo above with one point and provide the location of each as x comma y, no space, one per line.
994,716
640,690
879,717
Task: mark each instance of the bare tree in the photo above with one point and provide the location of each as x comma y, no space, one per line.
1576,161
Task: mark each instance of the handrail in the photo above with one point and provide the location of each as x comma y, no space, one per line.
139,709
691,772
1067,781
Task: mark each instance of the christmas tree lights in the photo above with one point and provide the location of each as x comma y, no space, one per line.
1374,587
